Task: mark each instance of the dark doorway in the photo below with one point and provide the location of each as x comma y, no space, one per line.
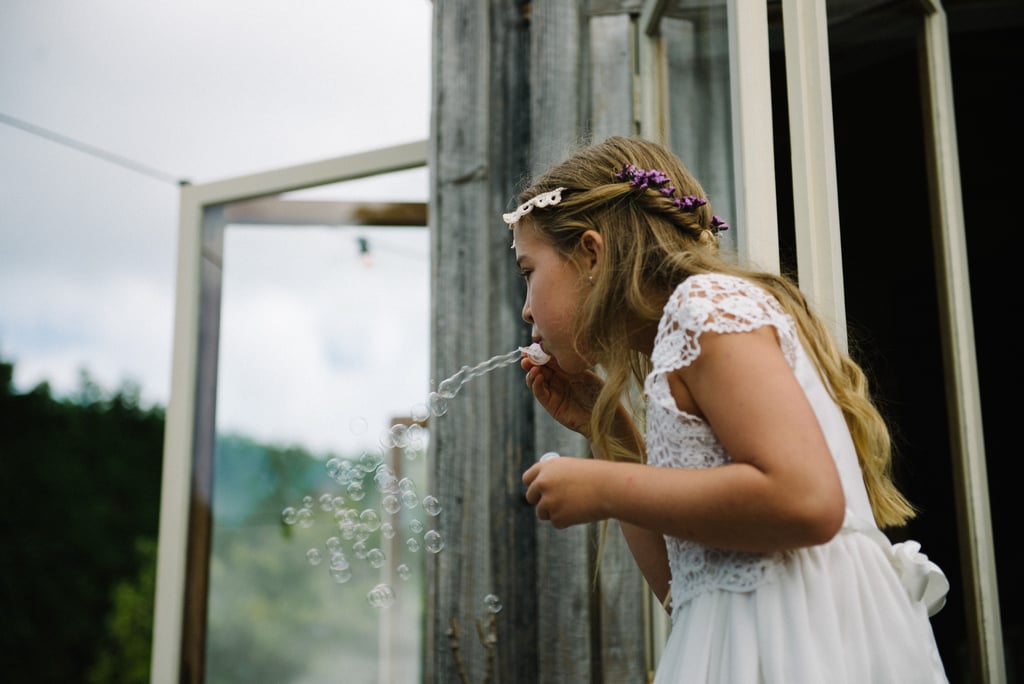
888,264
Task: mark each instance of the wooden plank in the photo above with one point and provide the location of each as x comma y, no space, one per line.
612,46
622,591
566,594
513,93
700,130
278,212
480,97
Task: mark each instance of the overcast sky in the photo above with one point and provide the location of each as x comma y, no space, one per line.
105,104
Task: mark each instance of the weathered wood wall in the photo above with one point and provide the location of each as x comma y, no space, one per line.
516,84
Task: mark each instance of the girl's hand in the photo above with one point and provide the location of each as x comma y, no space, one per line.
567,490
568,398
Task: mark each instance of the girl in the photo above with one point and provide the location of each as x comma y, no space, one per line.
754,504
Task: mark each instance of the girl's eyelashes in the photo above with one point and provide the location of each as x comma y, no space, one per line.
525,273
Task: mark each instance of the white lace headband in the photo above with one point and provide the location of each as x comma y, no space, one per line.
542,200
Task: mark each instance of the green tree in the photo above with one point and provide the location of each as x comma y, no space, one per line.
125,658
81,483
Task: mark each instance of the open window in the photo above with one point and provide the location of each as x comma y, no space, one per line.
299,375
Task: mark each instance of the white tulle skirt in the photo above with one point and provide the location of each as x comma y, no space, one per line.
835,614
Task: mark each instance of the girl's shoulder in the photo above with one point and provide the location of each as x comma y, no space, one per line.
720,303
718,299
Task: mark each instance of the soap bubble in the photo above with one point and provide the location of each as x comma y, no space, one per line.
413,544
375,557
493,603
341,575
347,472
332,466
419,413
416,526
438,404
403,571
431,505
357,425
313,556
385,479
371,519
347,529
433,541
381,596
341,571
536,353
398,435
369,461
391,503
289,515
387,530
416,441
355,490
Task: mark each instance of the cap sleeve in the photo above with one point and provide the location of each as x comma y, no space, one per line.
717,303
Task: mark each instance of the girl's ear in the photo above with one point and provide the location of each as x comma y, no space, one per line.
592,248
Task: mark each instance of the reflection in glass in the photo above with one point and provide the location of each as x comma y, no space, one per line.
323,349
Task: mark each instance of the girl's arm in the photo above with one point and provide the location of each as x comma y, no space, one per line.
650,555
570,400
781,491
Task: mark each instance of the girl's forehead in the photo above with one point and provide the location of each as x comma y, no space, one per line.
524,238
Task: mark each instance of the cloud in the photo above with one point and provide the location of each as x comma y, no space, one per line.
208,91
313,339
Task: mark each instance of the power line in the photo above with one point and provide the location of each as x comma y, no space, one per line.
91,150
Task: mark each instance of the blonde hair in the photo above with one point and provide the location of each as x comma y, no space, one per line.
651,246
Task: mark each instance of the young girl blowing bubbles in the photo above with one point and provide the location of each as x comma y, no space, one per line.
754,504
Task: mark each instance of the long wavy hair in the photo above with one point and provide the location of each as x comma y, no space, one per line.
651,246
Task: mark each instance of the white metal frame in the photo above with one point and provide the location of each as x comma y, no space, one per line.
813,155
960,356
752,130
180,426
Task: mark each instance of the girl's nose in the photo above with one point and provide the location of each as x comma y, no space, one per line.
527,314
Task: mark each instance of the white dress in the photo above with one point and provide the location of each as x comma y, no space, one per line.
854,610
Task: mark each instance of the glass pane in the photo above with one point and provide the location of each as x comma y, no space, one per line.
323,347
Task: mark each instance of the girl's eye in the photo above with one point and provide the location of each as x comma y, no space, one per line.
524,273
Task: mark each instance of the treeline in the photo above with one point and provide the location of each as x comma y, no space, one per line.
81,489
81,497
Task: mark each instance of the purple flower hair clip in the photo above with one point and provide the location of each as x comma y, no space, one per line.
644,179
654,179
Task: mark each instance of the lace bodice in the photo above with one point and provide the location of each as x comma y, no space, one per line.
724,304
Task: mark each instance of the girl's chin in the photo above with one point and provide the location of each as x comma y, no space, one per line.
571,364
